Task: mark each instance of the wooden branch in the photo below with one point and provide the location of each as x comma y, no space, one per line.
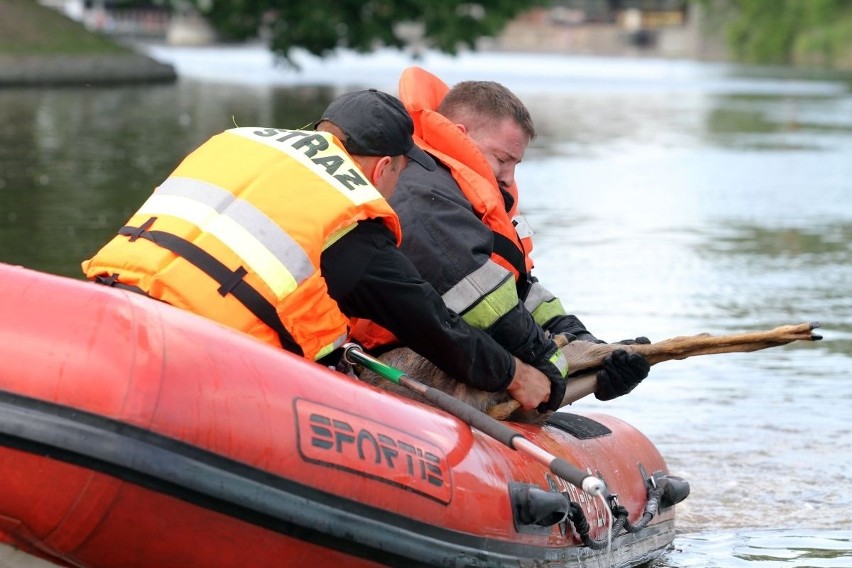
583,356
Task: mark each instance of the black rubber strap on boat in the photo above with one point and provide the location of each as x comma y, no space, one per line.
230,281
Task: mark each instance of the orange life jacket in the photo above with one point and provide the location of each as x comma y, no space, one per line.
236,232
422,92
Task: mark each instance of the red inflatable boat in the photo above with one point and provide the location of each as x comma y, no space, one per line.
133,434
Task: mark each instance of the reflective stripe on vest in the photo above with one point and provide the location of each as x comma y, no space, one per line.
543,305
269,251
483,296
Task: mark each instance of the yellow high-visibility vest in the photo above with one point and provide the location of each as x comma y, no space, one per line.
235,234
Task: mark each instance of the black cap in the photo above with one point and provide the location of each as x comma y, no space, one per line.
375,124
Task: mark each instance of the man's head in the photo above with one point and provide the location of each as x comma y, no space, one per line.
497,122
376,130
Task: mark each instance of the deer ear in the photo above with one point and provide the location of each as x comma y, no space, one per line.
563,339
641,340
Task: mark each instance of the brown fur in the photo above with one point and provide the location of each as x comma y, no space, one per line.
581,356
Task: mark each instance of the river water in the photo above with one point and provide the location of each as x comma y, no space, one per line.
669,198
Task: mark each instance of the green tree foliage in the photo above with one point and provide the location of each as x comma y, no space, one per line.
788,31
324,25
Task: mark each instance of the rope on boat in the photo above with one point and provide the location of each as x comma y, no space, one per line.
619,513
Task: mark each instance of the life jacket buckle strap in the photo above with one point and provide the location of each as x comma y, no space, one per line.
232,281
112,282
142,229
107,280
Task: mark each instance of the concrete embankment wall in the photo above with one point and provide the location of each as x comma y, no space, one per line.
57,70
41,47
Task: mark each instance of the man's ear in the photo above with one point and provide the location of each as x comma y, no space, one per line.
380,168
461,127
383,177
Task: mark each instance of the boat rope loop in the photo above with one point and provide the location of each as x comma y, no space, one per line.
619,513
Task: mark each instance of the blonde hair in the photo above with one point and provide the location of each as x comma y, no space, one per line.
478,103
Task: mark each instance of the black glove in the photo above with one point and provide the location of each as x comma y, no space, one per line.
586,336
569,325
554,366
621,372
641,340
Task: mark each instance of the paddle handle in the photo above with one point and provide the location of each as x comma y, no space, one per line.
507,436
479,420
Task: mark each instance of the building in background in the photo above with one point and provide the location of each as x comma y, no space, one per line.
660,28
156,21
656,28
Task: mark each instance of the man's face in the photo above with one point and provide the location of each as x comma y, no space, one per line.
503,144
